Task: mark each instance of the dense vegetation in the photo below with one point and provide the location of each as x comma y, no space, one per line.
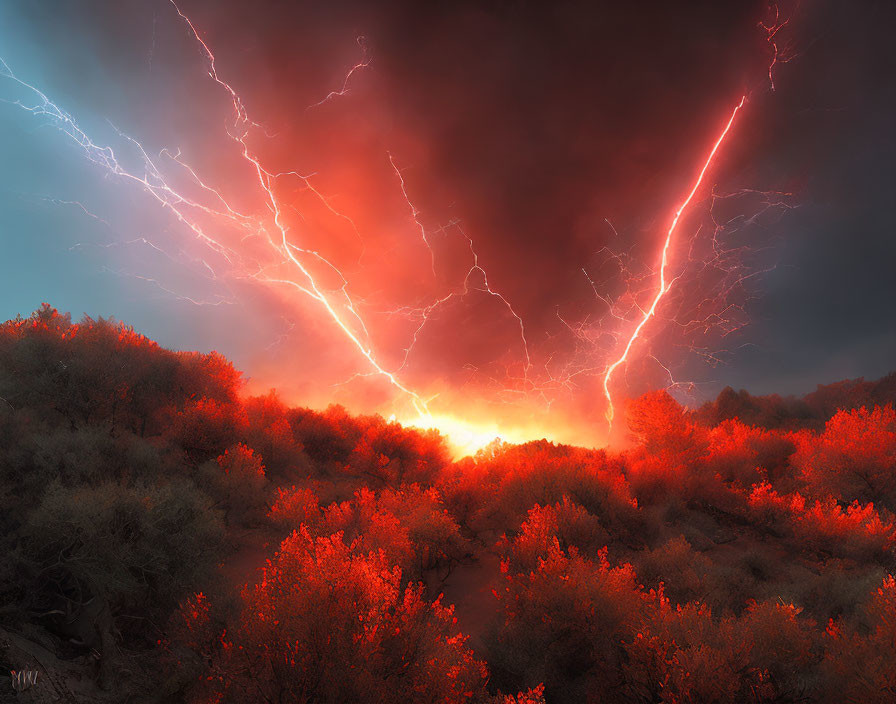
168,539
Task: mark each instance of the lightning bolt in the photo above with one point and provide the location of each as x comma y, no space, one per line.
475,268
415,212
155,183
772,29
665,284
363,63
313,289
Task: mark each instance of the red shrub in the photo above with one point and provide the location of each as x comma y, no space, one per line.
516,478
563,625
684,654
409,525
860,663
295,507
328,624
685,573
269,432
328,438
237,480
205,428
747,455
389,455
854,458
566,523
660,424
857,531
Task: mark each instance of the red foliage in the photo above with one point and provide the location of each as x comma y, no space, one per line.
684,654
860,663
390,455
210,376
205,427
270,433
328,437
685,573
747,455
534,695
661,426
856,531
242,461
854,458
497,490
409,525
296,507
565,523
564,624
710,508
326,623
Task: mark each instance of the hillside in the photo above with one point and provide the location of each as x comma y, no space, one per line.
169,539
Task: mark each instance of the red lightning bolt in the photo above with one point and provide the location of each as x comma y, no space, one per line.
664,284
363,63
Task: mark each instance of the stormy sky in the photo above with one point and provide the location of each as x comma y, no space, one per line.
558,137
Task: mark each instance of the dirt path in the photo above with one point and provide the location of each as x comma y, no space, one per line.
469,588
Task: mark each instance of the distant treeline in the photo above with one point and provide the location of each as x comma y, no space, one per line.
811,411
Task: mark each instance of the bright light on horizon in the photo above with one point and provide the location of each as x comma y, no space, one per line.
466,437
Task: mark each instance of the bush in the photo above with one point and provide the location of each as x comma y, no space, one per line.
684,654
660,425
514,479
565,524
741,530
410,526
205,428
389,455
854,459
135,546
295,507
238,483
685,573
860,663
563,624
102,559
747,455
269,432
857,531
327,624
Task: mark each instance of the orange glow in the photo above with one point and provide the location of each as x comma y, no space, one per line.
466,437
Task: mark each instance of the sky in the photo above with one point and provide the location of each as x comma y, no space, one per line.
482,201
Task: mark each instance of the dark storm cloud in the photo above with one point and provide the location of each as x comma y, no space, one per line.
827,311
535,122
